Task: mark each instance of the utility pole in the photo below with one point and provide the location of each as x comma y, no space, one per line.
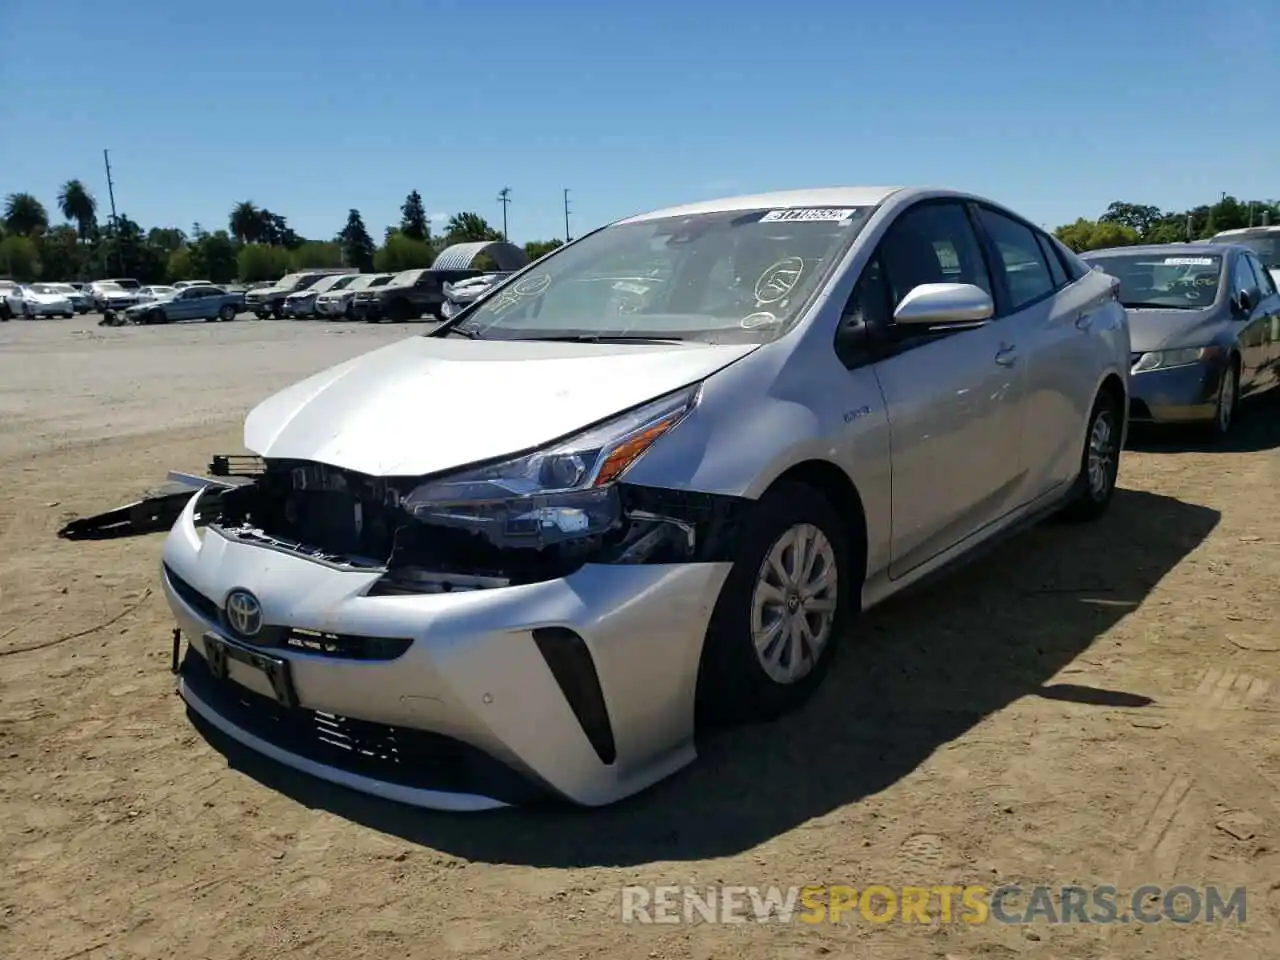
115,223
504,198
566,215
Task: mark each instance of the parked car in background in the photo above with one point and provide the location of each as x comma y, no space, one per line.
1263,241
201,302
735,425
465,292
149,294
109,295
183,284
128,283
302,304
409,295
268,301
337,303
1204,320
30,301
81,301
5,287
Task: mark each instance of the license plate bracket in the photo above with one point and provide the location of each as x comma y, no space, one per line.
219,650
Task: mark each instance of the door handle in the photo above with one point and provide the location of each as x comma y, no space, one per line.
1084,321
1006,355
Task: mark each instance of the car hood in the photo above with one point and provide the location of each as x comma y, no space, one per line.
427,404
47,297
267,292
1169,329
300,294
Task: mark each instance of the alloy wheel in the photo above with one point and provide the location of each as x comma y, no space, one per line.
793,604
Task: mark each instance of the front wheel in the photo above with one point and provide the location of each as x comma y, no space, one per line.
1228,397
1099,463
226,313
782,611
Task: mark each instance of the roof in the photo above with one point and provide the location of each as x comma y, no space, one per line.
460,256
815,197
1259,231
1204,249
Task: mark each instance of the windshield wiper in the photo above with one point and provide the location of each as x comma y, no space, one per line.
1146,305
599,338
469,334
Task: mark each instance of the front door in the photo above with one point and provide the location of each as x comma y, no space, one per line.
952,396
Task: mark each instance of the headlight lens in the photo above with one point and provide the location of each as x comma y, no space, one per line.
564,492
1164,359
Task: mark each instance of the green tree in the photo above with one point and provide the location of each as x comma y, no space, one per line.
358,247
540,248
1096,235
180,266
469,227
167,239
413,218
24,215
1140,217
62,256
77,204
213,258
402,252
247,222
19,258
261,261
317,254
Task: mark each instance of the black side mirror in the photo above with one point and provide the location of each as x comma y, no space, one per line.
1245,301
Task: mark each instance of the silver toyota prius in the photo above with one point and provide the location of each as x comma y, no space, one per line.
648,482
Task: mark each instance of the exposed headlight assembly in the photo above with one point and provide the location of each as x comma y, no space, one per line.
1164,359
564,492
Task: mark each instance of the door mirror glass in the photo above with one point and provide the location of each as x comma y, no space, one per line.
944,303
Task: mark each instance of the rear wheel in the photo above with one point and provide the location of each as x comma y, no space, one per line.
782,611
226,313
1099,463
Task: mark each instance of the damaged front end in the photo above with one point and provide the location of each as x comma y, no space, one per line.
532,518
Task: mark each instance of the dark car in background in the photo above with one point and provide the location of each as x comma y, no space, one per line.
1204,324
1263,241
267,302
409,295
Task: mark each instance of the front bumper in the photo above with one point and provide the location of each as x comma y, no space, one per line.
472,674
49,309
331,308
367,309
1186,394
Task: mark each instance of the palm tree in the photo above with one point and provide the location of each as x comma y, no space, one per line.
77,203
24,214
247,222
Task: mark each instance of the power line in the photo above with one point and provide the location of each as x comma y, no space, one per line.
504,197
567,238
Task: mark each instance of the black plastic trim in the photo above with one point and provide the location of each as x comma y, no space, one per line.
574,669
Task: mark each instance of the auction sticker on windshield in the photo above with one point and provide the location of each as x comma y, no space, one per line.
1188,261
809,214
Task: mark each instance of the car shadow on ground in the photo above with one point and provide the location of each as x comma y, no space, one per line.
925,668
1256,430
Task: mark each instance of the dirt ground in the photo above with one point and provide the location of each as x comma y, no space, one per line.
1085,705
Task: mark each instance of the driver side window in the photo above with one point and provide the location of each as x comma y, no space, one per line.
1242,278
932,243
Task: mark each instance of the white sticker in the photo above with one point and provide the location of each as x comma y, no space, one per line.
1188,261
809,215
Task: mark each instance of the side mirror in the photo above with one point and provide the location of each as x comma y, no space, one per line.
933,304
1245,301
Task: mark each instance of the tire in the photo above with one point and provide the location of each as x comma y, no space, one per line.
156,316
1224,412
399,311
277,312
68,316
226,313
734,684
1097,487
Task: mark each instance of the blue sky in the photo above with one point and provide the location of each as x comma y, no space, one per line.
314,107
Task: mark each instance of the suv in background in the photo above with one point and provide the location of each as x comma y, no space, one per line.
1264,242
269,301
408,295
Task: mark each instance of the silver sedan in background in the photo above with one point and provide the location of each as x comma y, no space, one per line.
1205,323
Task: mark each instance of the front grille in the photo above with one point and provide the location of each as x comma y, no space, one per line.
389,754
340,646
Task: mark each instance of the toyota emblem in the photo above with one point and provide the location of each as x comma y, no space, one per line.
244,613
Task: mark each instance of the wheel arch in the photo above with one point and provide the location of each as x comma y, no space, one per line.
841,493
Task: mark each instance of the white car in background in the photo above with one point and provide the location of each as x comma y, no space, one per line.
109,295
38,300
81,301
337,303
460,295
183,284
303,302
152,294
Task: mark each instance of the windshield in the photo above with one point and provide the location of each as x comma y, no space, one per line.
289,281
1266,247
406,278
44,288
740,275
340,283
1186,282
110,287
379,281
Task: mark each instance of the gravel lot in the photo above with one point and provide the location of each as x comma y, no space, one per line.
1087,705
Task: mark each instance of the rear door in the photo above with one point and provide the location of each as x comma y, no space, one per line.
1051,316
1253,324
952,395
1269,304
